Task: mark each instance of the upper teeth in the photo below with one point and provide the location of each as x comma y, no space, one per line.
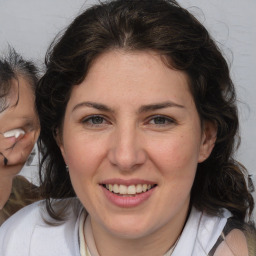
14,133
128,190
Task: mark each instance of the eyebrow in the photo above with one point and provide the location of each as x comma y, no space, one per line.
95,105
27,118
157,106
144,108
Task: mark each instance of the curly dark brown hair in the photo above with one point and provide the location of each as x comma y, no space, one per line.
162,26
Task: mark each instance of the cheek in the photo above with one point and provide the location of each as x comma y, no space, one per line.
82,154
81,158
177,161
178,155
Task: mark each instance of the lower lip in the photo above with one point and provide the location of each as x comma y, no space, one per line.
127,201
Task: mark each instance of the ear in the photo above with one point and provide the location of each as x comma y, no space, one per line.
209,135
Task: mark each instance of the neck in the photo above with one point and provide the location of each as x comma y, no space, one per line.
156,243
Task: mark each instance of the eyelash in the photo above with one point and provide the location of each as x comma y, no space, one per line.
28,127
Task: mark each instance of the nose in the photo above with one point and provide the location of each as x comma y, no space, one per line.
127,151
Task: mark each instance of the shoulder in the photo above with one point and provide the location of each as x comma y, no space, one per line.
200,232
27,231
211,227
18,229
233,244
224,236
29,214
238,238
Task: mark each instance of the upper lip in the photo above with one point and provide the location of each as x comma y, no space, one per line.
127,182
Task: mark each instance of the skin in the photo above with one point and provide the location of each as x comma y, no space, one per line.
127,141
17,150
235,244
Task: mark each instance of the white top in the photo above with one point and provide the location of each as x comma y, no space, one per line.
26,233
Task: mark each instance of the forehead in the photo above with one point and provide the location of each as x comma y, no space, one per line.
19,97
9,94
15,87
125,76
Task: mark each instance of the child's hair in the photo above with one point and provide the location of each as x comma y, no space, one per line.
11,66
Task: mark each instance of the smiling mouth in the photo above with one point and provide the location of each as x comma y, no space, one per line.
131,190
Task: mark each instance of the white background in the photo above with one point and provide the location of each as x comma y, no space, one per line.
30,25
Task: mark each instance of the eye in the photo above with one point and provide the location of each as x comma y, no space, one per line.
95,120
161,120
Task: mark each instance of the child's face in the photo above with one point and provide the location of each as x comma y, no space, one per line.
19,129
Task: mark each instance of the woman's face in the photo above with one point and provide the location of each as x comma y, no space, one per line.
19,129
132,127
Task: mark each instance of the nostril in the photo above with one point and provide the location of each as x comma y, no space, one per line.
127,160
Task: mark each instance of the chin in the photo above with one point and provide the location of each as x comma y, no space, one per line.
129,228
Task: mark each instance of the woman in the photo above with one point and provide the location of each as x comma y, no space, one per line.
19,124
139,126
